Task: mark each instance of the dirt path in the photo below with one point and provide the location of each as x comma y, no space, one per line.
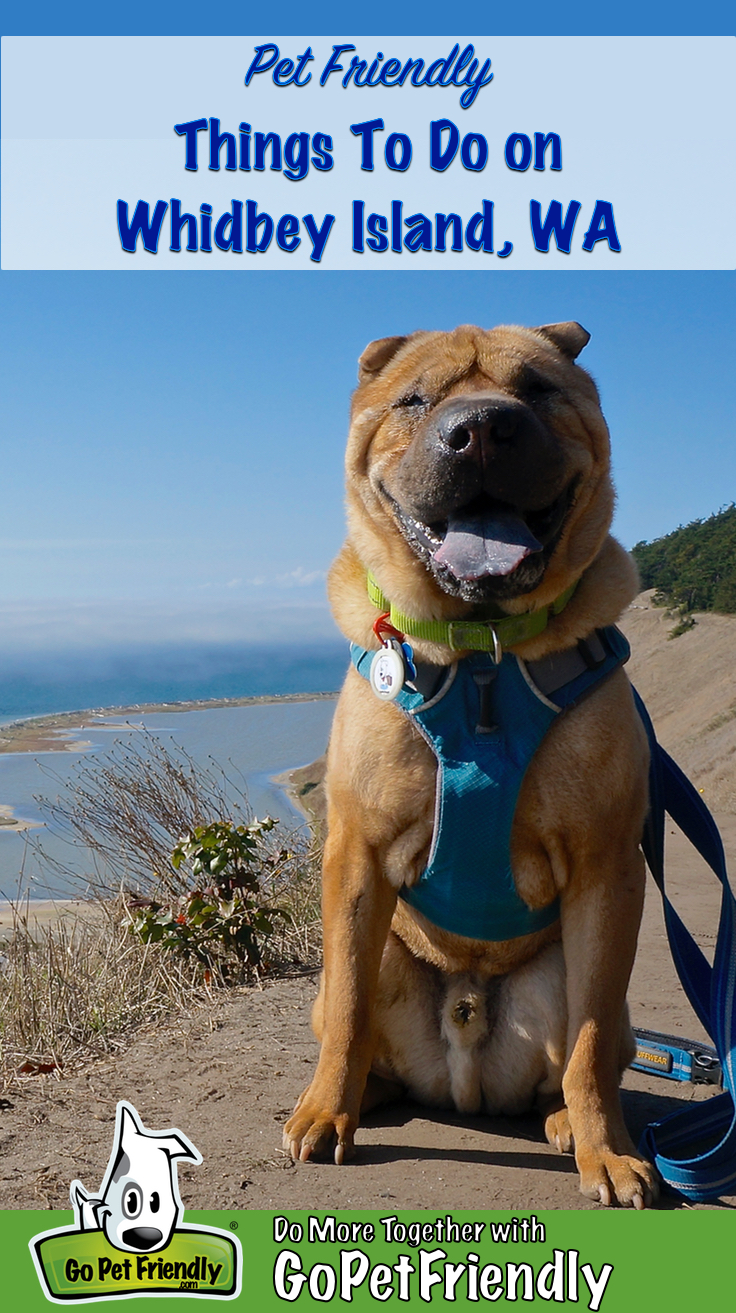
230,1080
689,686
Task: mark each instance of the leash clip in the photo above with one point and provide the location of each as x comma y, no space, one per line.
385,631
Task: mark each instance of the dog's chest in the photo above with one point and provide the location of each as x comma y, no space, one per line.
483,726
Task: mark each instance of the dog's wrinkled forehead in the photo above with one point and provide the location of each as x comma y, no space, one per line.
469,356
477,455
402,380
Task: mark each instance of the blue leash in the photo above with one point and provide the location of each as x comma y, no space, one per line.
709,1127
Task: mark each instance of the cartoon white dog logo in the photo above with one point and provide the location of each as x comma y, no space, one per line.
138,1204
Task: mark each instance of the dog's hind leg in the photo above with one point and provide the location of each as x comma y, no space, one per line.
556,1121
554,1110
409,1057
409,1045
380,1090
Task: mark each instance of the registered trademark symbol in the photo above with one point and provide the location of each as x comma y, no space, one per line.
233,1226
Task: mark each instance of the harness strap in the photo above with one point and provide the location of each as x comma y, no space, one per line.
694,1149
573,670
709,1128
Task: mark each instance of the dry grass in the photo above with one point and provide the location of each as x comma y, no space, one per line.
126,809
300,942
85,986
82,987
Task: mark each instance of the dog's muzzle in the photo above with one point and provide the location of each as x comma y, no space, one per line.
482,489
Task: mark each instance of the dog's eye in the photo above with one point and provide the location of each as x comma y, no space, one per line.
411,400
534,387
154,1202
132,1200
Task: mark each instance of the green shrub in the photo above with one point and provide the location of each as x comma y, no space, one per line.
216,896
684,623
222,919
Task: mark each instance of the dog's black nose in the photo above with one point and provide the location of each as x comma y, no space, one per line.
472,431
477,444
142,1237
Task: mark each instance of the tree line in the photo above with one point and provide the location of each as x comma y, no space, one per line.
694,567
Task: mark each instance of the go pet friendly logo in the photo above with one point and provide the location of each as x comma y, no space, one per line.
129,1240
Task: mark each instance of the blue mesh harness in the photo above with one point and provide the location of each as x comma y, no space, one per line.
484,725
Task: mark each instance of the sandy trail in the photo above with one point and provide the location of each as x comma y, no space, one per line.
229,1081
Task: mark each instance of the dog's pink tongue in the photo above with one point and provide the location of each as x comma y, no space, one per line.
489,543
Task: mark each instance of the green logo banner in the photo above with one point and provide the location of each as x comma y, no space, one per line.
618,1261
78,1266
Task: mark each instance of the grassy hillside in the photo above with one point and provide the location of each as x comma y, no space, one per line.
693,568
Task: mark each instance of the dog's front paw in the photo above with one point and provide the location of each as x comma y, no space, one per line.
558,1130
613,1178
313,1131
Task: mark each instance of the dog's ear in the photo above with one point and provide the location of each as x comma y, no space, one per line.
376,355
178,1146
86,1207
569,338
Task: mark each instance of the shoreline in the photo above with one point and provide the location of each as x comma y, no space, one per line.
304,786
54,732
12,824
42,912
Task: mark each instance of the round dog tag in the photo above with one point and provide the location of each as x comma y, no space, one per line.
388,672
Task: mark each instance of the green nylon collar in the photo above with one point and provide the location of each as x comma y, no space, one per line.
488,633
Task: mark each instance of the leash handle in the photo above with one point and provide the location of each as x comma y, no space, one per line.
711,1171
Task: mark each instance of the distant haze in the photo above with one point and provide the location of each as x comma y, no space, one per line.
71,680
42,626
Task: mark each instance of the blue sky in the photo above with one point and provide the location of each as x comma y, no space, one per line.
178,440
173,445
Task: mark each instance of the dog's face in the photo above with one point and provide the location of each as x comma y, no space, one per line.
478,462
138,1205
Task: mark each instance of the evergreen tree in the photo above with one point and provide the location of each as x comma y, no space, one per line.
693,568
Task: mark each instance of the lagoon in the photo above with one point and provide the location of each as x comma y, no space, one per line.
252,743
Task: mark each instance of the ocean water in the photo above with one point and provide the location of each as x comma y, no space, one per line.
36,685
250,744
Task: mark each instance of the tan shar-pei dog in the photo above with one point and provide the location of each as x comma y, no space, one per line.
478,483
